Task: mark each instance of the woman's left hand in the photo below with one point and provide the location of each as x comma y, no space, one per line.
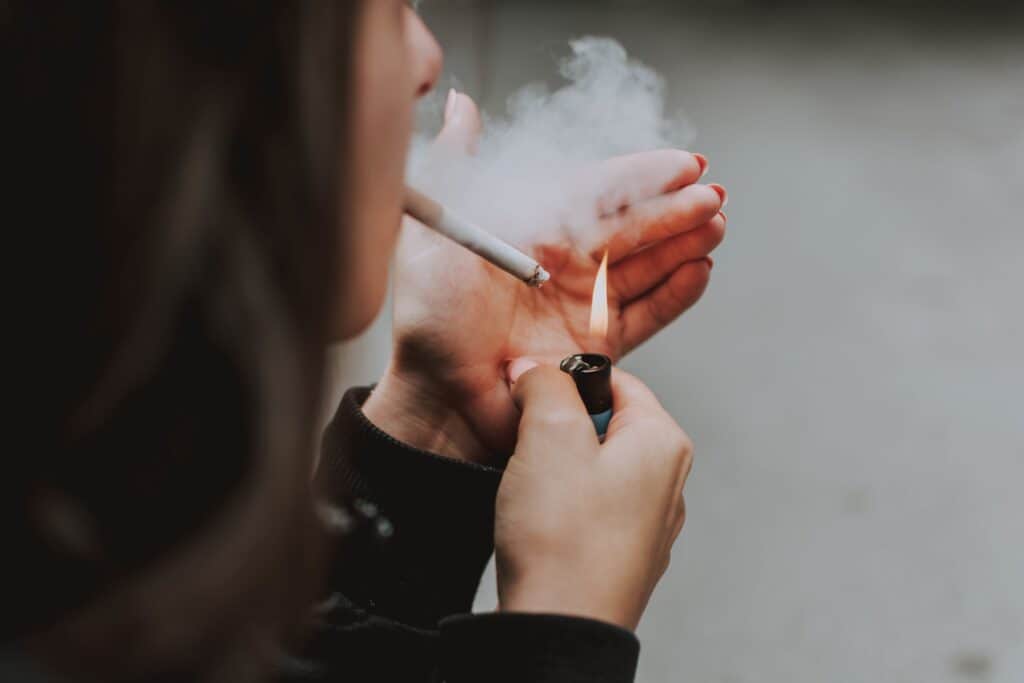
458,320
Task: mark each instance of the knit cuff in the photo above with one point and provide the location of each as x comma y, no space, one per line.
508,647
439,512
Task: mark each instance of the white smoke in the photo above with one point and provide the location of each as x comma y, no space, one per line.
529,174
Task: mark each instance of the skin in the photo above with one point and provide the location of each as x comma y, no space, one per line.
464,332
599,553
398,61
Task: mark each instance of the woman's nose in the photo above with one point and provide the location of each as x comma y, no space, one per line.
426,53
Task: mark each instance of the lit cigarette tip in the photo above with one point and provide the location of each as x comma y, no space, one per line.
539,277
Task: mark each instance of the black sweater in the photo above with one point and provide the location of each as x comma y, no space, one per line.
400,609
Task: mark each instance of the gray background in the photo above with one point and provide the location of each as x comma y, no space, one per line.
853,378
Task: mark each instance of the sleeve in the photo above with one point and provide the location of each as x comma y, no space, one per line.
540,648
439,516
400,605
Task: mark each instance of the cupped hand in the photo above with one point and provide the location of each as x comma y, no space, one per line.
458,320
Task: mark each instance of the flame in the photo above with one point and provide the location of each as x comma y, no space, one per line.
599,305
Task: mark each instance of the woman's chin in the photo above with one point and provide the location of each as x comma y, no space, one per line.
359,314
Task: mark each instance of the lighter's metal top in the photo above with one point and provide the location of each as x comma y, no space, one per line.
592,374
575,364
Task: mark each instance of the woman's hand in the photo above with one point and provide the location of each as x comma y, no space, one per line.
458,320
583,528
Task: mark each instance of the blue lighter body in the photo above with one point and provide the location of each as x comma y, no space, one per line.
601,423
592,374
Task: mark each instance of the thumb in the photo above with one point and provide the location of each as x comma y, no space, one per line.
462,124
552,410
546,390
517,368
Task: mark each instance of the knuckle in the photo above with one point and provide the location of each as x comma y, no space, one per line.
542,380
659,313
683,159
671,437
548,372
541,374
681,448
564,421
686,462
683,444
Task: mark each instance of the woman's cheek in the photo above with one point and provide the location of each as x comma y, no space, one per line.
364,278
381,134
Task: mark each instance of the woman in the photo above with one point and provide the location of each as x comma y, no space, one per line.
218,188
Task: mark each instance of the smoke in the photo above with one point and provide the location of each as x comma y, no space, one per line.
530,174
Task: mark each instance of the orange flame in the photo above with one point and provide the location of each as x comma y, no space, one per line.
599,305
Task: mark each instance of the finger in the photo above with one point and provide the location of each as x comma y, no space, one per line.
619,182
552,411
680,520
517,368
654,220
639,417
637,274
462,124
632,398
663,304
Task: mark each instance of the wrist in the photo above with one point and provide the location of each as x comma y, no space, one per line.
414,412
567,599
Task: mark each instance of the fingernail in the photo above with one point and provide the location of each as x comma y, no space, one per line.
517,368
703,161
453,108
725,218
721,193
711,262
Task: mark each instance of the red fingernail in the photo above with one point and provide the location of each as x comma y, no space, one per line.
711,262
721,193
703,161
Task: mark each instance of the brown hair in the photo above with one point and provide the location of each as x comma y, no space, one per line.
181,161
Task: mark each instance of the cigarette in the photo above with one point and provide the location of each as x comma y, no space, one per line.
473,237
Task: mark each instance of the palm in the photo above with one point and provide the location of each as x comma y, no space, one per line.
459,320
476,317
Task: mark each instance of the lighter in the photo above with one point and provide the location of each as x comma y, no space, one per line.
592,374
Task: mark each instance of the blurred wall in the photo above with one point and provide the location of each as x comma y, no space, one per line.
854,378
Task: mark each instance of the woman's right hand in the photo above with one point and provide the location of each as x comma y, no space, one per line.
584,528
